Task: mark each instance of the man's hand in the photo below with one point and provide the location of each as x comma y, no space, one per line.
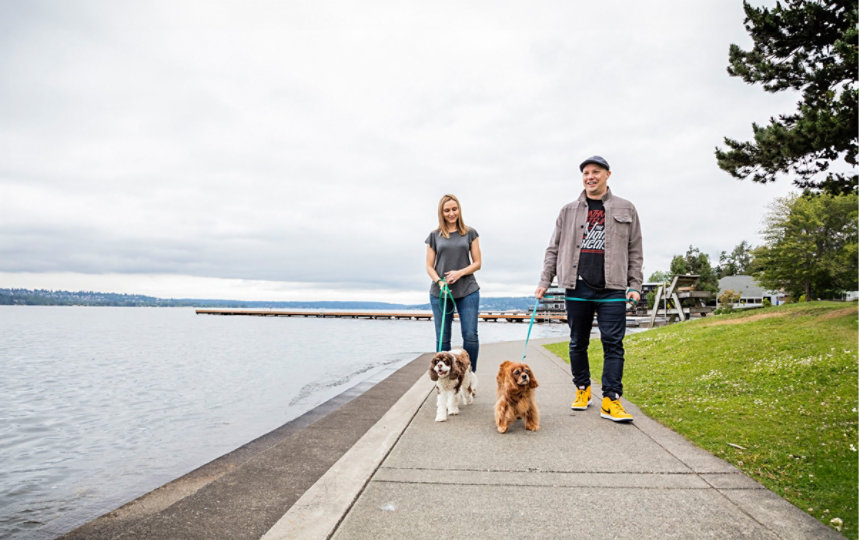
633,296
540,292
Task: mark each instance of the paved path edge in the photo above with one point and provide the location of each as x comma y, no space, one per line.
317,513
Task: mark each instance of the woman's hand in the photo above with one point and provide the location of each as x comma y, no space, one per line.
452,276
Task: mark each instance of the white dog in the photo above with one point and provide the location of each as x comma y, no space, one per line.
454,382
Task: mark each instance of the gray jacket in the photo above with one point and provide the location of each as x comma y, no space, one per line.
623,252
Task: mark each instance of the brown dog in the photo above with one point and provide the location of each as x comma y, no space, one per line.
516,396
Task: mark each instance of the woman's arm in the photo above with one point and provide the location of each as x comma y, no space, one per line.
476,261
431,265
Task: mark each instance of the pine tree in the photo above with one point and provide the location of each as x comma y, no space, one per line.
810,46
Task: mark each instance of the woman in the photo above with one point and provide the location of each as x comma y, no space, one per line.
453,255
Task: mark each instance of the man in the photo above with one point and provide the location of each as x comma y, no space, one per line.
596,253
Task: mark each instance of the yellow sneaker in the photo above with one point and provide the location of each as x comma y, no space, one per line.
613,410
583,399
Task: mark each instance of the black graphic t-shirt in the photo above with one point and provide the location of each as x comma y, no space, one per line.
592,258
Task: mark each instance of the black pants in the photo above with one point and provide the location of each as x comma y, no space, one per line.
609,305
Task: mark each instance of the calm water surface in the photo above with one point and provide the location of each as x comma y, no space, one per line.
101,405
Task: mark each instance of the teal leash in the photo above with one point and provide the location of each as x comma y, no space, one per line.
444,292
574,299
530,326
537,303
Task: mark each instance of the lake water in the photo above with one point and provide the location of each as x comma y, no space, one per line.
99,405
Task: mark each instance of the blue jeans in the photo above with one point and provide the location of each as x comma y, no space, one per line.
611,321
467,307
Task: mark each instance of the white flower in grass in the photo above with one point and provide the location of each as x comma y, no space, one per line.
836,523
852,448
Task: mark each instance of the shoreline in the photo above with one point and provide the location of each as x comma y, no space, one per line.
162,430
227,493
332,427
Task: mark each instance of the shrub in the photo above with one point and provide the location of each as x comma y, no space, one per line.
727,300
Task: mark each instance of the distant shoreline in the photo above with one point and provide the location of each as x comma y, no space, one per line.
43,297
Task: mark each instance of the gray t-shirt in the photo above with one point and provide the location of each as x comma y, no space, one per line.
453,253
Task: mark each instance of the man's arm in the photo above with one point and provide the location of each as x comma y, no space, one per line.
550,259
635,257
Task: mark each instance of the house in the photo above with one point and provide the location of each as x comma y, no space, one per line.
553,300
751,293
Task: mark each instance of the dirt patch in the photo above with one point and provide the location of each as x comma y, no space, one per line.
839,313
752,318
760,316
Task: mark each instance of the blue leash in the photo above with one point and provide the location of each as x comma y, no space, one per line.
574,299
628,300
537,303
530,326
443,293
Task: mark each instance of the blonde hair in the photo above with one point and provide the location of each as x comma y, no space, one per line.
442,224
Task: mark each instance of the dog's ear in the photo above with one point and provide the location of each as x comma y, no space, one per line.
433,375
533,383
510,384
455,370
502,373
463,363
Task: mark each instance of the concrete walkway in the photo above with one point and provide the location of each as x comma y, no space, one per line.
580,476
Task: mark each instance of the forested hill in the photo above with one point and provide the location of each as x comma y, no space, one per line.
42,297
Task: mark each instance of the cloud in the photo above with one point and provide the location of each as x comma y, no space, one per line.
308,143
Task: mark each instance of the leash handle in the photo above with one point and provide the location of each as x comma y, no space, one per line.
530,326
631,305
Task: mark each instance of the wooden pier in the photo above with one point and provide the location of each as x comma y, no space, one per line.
488,316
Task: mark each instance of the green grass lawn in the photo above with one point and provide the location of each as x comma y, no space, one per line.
779,382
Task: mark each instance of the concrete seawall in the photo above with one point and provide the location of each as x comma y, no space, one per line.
243,493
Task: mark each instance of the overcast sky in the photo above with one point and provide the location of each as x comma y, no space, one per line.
292,150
